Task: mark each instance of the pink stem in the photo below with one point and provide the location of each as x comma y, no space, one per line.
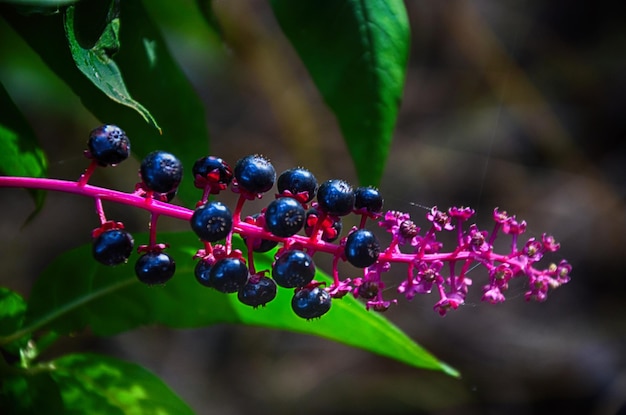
239,227
100,210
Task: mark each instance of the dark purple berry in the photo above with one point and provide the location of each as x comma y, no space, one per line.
212,171
368,290
212,221
228,275
255,174
335,197
311,302
369,199
161,172
331,228
258,291
298,180
284,217
293,268
113,247
155,268
201,272
108,145
362,248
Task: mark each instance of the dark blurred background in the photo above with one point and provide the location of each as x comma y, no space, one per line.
513,104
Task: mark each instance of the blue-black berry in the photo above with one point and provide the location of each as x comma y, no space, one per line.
284,216
108,145
201,272
258,291
368,199
113,247
255,174
155,268
298,181
161,172
228,275
335,197
212,171
293,268
362,248
311,302
212,221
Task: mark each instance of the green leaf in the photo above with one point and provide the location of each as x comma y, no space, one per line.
73,293
97,64
12,313
20,154
95,384
356,52
30,394
150,73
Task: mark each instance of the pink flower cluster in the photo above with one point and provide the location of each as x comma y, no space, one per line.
425,260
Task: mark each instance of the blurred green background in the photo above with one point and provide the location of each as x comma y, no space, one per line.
513,104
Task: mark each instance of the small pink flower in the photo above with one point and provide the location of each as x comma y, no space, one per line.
513,227
500,217
439,219
493,295
533,250
477,240
380,305
462,213
448,303
549,243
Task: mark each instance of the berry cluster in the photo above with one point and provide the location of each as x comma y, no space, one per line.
304,219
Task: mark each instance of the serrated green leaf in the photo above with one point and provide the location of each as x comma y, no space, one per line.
30,394
151,75
97,64
20,154
73,293
356,52
95,384
12,313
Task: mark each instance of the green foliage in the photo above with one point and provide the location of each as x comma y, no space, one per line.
12,316
97,64
20,154
96,384
113,56
356,52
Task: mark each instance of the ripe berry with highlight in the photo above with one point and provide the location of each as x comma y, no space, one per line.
255,174
108,145
161,172
298,181
201,272
258,291
155,268
335,197
362,248
228,275
113,247
293,268
284,216
212,221
311,302
368,199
